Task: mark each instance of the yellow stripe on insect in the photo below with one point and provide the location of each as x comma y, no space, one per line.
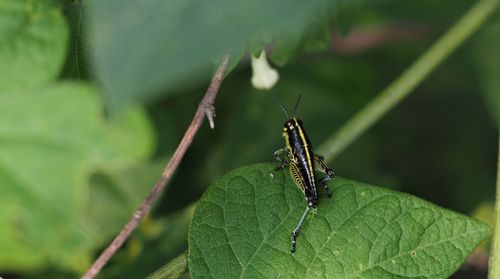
304,142
302,162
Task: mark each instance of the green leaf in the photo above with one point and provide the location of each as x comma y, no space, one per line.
241,228
53,141
33,42
315,36
140,48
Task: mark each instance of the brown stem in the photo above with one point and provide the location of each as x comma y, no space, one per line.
362,39
205,107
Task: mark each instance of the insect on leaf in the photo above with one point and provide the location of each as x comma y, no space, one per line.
241,229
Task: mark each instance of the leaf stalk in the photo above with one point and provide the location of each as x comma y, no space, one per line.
494,263
205,105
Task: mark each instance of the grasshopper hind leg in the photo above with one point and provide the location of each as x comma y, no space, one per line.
296,231
321,166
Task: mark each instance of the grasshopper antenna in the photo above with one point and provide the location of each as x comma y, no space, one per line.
297,104
282,107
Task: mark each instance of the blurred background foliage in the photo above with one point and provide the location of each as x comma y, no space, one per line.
438,144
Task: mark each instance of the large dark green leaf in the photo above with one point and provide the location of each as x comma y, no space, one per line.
241,229
142,47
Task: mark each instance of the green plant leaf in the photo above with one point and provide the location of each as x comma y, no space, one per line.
33,43
314,37
241,228
53,141
140,48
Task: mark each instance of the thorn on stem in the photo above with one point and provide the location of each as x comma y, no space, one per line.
210,113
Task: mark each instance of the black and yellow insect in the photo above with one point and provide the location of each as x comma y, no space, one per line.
302,162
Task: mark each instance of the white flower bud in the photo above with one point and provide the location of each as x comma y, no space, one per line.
263,76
